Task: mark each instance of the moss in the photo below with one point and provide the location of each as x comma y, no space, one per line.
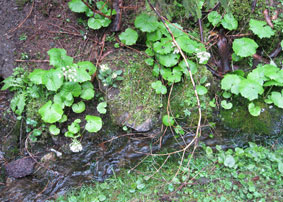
183,101
239,119
135,97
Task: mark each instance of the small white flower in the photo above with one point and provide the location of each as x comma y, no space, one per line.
207,85
114,75
76,146
70,70
176,51
104,67
63,68
203,57
75,80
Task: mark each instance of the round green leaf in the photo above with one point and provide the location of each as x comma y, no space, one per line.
231,82
94,123
50,113
192,66
261,29
63,119
159,87
101,107
82,75
74,128
214,18
229,161
95,23
244,47
229,22
52,79
201,90
59,58
163,47
70,89
167,120
77,6
168,60
129,37
146,23
277,99
154,36
87,94
188,45
37,76
226,105
54,130
254,110
250,89
87,66
79,107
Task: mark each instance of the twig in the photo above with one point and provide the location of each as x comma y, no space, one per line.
38,195
200,29
198,132
95,11
38,61
13,30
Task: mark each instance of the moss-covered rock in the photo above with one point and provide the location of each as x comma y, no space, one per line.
238,119
134,103
183,102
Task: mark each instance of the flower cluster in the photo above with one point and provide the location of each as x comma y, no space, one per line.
203,57
108,76
76,146
70,73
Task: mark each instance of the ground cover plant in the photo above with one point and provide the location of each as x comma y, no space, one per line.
58,88
253,173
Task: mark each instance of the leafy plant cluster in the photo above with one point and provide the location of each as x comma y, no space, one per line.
252,86
66,85
95,20
264,76
108,76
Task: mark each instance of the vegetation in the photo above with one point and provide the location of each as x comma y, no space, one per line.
250,174
58,87
210,58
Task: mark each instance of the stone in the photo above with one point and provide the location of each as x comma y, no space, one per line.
20,168
134,102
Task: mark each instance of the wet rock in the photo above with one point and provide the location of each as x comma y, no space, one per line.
134,103
238,119
20,168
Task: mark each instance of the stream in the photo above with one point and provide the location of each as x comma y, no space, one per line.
56,175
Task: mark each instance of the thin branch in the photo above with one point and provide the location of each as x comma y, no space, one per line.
13,30
198,132
95,11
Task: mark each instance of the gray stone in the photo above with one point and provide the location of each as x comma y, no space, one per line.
20,168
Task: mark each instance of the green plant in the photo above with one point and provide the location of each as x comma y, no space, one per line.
254,85
253,173
108,77
23,37
97,20
59,86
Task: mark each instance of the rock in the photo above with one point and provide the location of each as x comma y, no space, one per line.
20,168
134,103
238,119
